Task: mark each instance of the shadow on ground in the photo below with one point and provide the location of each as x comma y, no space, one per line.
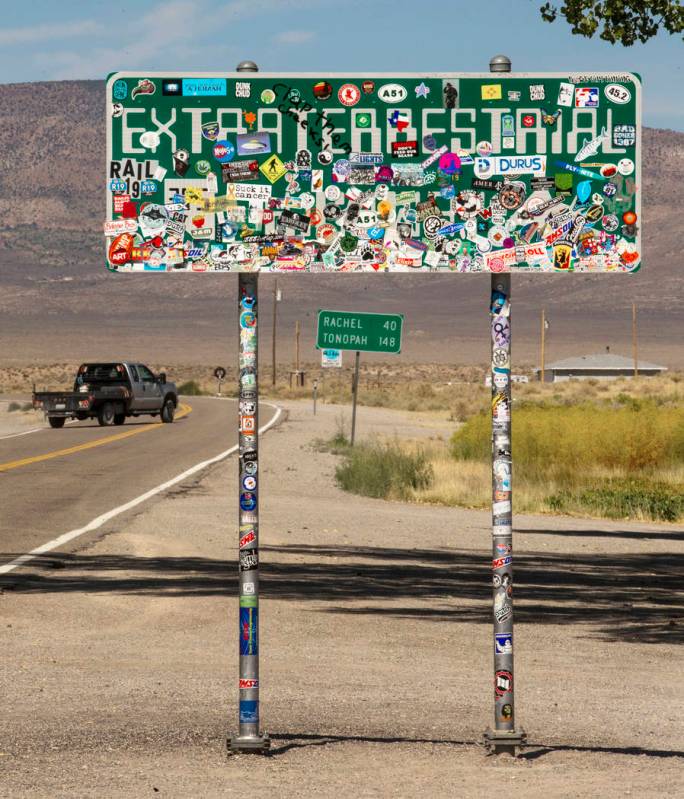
625,597
284,742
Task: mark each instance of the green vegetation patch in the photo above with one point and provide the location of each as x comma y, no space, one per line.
632,499
384,471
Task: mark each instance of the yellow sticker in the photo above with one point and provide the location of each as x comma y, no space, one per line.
491,91
193,195
273,168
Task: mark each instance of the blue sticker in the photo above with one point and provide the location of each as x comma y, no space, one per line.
503,643
204,87
249,632
117,185
120,90
249,711
148,186
248,500
448,230
224,151
583,190
247,319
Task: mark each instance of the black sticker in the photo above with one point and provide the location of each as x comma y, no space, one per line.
249,560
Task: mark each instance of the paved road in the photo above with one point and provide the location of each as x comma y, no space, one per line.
53,481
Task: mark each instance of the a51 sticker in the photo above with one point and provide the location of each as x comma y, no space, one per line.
392,93
618,94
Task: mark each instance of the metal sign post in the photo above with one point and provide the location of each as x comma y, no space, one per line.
355,396
250,738
315,393
504,737
362,332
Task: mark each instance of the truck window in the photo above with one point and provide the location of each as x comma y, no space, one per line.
103,373
134,373
145,373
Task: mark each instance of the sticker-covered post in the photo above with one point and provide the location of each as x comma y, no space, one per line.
250,738
504,737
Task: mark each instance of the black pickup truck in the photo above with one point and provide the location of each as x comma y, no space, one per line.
110,392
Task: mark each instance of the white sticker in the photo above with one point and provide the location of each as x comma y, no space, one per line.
617,94
566,93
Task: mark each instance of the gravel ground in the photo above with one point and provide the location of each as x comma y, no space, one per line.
119,659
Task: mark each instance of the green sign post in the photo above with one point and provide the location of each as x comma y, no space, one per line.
363,332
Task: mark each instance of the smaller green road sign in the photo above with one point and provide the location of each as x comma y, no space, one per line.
364,332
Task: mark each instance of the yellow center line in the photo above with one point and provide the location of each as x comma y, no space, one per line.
183,410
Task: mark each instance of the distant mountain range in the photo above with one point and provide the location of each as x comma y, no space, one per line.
57,301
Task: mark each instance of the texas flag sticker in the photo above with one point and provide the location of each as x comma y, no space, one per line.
399,120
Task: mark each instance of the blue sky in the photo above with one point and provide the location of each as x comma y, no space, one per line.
48,40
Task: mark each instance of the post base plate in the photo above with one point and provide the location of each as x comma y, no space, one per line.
249,744
504,741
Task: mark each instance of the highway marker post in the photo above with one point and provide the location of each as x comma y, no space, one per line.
441,173
357,331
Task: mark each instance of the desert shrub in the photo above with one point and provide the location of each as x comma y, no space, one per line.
625,500
13,406
549,439
384,471
191,388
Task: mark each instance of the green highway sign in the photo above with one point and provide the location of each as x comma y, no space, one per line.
443,173
363,332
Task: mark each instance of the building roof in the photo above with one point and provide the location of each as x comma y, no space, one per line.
601,362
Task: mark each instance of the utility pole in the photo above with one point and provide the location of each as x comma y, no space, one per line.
297,376
543,343
276,299
634,341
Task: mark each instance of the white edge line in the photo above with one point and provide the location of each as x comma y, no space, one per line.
33,430
105,517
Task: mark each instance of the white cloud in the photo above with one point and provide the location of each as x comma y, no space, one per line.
293,37
160,37
43,33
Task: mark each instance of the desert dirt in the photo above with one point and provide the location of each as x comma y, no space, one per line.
119,658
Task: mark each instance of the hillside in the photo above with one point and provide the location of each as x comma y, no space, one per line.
55,290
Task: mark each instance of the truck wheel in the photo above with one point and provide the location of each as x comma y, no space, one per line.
56,421
168,411
119,418
106,415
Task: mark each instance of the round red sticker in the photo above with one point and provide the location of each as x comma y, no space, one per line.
349,94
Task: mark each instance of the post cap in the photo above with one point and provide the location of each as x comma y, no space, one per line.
247,66
500,63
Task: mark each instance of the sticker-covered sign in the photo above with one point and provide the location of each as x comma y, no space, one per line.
373,173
